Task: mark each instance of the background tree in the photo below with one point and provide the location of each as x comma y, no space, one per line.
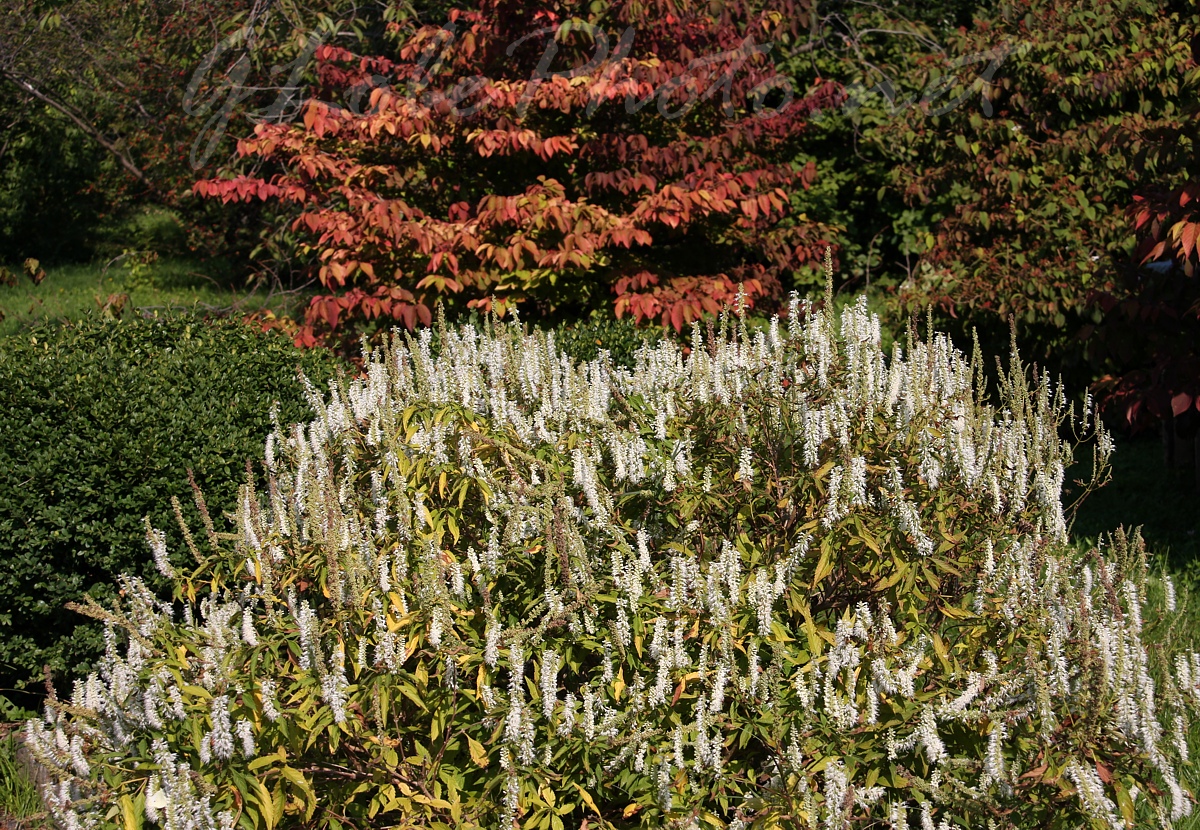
635,163
1018,196
135,98
1148,343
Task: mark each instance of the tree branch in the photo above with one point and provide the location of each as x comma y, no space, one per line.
26,86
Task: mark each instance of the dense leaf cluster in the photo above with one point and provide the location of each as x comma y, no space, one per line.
550,158
99,423
1017,196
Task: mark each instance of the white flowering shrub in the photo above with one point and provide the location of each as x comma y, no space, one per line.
780,580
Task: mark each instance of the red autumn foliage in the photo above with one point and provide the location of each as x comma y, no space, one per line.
1168,223
1151,325
638,165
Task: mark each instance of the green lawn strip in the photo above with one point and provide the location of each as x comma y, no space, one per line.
20,803
71,292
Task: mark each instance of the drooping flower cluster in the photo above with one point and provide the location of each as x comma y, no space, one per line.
783,566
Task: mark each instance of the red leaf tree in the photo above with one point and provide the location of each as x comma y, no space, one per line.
1149,338
521,155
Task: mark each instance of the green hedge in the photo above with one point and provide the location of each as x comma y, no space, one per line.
99,422
583,340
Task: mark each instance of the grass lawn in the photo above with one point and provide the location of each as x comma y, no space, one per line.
72,291
20,803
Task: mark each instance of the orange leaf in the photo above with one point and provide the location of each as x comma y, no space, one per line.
677,316
1181,403
1188,238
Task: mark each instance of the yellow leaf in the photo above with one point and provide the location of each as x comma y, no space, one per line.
872,777
630,810
266,804
815,645
411,693
943,653
887,582
957,613
867,539
262,761
309,797
131,816
587,798
822,471
824,564
780,633
478,753
397,603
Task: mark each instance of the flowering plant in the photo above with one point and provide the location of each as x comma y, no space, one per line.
784,580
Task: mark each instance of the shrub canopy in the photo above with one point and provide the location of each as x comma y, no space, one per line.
99,424
783,580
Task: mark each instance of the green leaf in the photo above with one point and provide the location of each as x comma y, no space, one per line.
309,797
409,692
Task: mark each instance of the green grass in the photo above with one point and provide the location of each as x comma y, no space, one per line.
20,804
70,292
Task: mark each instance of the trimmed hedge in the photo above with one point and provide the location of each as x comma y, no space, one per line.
584,339
99,422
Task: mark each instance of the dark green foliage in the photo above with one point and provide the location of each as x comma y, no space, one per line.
98,423
583,340
50,204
